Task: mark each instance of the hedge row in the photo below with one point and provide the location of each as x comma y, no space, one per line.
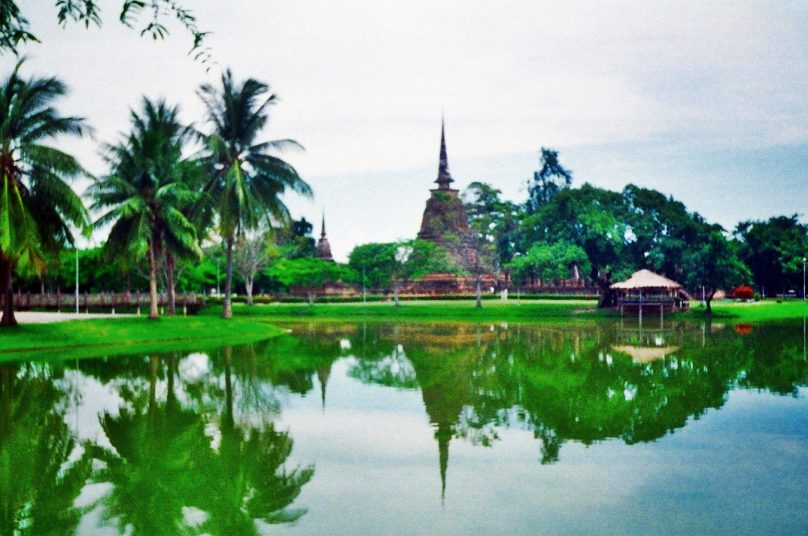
375,298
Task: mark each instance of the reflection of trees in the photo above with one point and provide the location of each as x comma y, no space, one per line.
167,461
567,383
38,483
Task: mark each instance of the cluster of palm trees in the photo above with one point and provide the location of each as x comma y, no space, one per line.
168,187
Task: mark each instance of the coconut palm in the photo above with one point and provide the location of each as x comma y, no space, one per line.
147,191
246,181
37,206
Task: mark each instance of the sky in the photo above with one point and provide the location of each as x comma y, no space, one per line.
705,101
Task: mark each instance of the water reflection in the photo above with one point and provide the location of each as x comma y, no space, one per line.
38,480
190,442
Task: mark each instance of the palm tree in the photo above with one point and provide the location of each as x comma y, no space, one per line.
37,206
246,181
147,191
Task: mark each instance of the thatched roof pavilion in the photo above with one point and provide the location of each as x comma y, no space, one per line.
647,280
644,287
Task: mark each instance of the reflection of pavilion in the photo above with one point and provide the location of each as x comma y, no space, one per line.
645,354
645,345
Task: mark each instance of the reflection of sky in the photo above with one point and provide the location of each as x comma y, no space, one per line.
377,472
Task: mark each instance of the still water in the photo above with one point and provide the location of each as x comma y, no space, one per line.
607,428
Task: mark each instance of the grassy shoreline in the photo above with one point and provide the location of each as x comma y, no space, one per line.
81,338
86,338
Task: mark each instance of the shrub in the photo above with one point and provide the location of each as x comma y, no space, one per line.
743,292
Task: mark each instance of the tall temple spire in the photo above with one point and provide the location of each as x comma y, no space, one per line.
444,177
323,250
322,231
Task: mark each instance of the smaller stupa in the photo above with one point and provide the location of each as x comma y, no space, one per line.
323,247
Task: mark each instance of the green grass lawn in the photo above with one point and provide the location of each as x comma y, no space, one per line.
754,311
492,310
463,311
82,338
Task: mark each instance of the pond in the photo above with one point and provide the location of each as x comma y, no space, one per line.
378,428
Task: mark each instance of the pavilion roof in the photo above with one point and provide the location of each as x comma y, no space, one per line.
646,279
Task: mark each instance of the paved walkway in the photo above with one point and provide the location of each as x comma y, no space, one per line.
44,318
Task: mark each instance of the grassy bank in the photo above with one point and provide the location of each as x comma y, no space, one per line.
82,338
527,311
754,311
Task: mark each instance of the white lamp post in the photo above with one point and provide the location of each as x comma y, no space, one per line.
77,279
803,278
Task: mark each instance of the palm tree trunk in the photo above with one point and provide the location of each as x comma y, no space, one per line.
172,296
153,313
6,271
248,285
227,311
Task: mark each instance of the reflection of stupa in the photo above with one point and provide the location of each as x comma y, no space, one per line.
323,373
444,381
444,222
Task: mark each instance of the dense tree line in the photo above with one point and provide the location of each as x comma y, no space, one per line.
561,232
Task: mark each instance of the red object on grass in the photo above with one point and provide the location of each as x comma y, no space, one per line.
743,292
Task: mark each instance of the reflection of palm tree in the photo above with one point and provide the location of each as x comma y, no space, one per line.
159,452
163,462
38,486
248,480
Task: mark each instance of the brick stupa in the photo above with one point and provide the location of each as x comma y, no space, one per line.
444,222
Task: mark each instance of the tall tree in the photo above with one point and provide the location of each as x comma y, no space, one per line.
37,206
592,218
714,264
495,221
246,180
146,191
774,249
550,179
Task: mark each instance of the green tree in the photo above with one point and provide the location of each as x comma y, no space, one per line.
550,179
37,206
295,239
593,219
773,250
714,264
661,231
146,192
495,221
245,181
307,273
550,261
385,265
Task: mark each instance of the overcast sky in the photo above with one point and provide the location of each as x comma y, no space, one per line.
707,101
